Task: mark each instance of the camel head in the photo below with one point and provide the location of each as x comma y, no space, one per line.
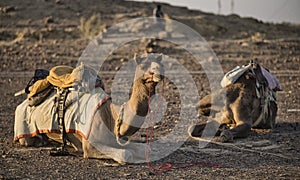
149,68
148,74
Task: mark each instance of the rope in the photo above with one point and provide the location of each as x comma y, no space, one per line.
163,168
119,123
60,101
230,145
149,137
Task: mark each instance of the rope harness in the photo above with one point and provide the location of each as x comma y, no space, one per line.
266,96
60,103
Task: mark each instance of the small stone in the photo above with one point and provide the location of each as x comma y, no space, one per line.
127,174
58,2
7,9
49,19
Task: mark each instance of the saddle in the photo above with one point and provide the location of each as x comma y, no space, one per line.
82,78
266,86
60,81
233,75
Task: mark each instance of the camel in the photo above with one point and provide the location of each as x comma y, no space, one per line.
238,107
110,124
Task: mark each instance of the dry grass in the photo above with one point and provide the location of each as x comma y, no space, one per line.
91,26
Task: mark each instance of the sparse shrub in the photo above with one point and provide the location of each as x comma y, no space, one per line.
91,26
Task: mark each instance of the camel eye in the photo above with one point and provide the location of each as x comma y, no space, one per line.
144,66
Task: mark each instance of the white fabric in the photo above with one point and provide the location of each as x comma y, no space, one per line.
273,82
232,76
81,118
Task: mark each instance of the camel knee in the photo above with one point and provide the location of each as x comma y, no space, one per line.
226,136
89,151
25,141
196,130
38,141
241,131
204,106
85,148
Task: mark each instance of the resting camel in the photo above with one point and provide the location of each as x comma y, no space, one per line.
95,126
248,103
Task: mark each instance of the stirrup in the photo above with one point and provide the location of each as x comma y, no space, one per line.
60,151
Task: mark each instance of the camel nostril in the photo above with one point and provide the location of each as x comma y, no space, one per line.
151,73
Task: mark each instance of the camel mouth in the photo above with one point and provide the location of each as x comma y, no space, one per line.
157,78
153,77
152,81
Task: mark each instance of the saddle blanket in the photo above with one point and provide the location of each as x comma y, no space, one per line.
30,121
232,76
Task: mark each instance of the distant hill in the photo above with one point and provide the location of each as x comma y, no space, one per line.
50,18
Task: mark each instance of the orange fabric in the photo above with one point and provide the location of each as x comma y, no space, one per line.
38,87
40,131
61,76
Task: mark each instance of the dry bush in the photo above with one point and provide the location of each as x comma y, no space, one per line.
91,26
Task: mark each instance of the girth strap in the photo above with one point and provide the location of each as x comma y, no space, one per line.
60,100
266,98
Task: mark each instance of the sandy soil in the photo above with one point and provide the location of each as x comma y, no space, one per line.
44,33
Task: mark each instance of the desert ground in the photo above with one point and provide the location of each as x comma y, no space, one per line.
45,33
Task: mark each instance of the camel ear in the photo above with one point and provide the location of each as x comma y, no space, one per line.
137,59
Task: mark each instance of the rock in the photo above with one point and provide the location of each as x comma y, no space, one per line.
127,174
48,20
244,44
7,9
58,2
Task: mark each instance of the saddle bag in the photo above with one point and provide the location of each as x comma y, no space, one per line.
39,91
38,88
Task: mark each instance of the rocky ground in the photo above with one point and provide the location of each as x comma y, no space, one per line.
44,33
